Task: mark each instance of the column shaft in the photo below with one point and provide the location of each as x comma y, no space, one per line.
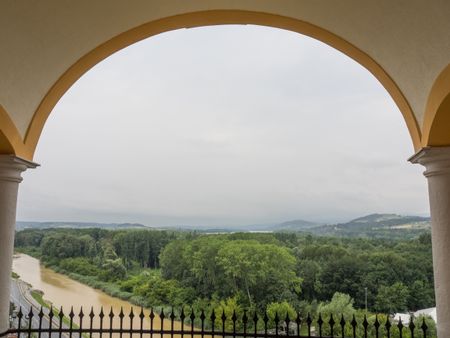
437,164
10,169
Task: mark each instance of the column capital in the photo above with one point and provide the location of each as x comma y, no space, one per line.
11,167
436,160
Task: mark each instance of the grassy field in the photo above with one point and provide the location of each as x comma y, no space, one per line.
39,297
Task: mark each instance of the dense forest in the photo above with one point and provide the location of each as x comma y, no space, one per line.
263,271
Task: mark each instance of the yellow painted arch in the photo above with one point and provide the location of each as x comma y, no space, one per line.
206,18
436,125
10,139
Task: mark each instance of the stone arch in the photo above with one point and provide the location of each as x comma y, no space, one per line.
436,130
206,18
10,139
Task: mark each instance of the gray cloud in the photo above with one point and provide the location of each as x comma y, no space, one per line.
224,125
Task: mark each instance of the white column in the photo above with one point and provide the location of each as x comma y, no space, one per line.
11,168
436,161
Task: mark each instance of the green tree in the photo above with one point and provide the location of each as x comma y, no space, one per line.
392,298
261,271
282,309
229,307
421,295
310,271
343,275
113,269
340,305
174,261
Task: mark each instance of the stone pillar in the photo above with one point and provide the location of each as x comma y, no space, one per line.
11,168
436,161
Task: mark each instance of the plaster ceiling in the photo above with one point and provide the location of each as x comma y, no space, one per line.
42,40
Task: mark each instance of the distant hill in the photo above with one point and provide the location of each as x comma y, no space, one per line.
373,226
377,225
295,225
77,225
386,221
291,226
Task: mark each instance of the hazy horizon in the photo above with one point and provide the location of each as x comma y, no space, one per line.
172,224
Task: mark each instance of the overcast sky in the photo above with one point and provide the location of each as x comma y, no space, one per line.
219,126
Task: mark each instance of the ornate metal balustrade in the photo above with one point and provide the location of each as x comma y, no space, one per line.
53,324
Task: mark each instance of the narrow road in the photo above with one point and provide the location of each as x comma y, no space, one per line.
19,300
21,297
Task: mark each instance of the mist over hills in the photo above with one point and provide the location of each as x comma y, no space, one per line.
294,225
76,225
377,225
374,225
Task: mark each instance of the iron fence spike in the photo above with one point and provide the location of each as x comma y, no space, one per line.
320,323
320,320
376,323
309,319
255,318
354,323
365,322
388,324
331,320
424,326
224,317
342,322
411,325
400,327
276,319
152,314
244,317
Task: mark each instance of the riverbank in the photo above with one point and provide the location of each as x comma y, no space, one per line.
109,288
62,291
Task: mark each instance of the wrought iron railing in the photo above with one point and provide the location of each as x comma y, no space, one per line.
191,325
